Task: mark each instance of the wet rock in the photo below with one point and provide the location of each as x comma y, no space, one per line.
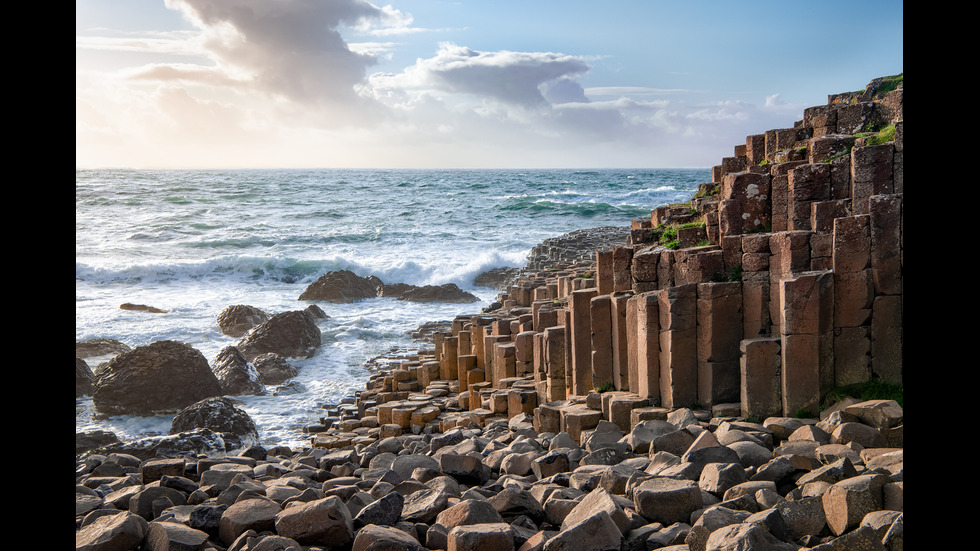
99,347
342,287
161,377
273,369
237,319
448,292
83,378
141,308
221,415
291,334
497,278
235,374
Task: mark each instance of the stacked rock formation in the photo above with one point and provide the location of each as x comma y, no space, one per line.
664,395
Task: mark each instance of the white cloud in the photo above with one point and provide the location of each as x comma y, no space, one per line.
773,100
513,78
277,83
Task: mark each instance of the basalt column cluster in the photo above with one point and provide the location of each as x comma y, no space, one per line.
777,282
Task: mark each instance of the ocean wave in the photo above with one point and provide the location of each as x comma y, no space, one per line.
589,209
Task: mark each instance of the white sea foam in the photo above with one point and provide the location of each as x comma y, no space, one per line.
167,239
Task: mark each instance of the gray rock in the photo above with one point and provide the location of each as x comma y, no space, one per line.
342,287
118,531
220,415
237,319
257,514
235,374
161,377
597,532
273,369
290,334
667,500
497,536
325,521
512,502
746,536
383,512
384,538
470,511
424,505
172,535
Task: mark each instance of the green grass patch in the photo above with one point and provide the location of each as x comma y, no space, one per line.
803,413
871,390
889,83
605,387
885,135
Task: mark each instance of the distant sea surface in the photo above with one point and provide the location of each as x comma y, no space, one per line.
192,242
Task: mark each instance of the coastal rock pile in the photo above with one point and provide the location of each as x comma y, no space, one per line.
575,248
673,392
161,377
292,334
678,480
344,287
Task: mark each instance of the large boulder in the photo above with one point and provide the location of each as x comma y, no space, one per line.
197,441
273,369
221,415
324,521
236,375
237,319
83,378
291,334
497,278
159,378
342,287
99,347
438,293
90,440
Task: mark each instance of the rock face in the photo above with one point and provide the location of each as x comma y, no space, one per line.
235,374
497,278
83,378
141,308
220,415
345,287
342,287
438,293
290,334
273,369
99,347
161,377
237,319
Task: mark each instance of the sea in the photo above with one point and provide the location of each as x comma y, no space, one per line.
192,242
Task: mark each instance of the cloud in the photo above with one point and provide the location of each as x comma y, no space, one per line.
293,49
276,83
511,78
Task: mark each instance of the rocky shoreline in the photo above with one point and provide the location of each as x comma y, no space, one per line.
682,482
531,427
678,479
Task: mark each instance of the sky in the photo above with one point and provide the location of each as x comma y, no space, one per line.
460,84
